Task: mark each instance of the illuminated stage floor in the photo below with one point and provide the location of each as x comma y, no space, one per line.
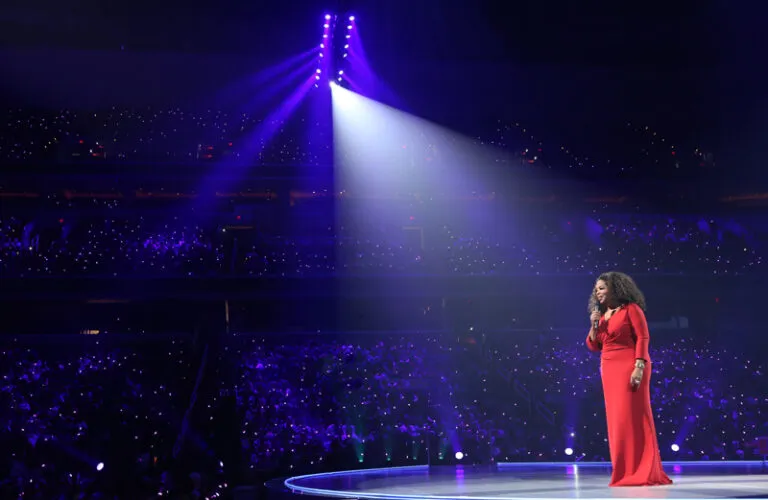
704,480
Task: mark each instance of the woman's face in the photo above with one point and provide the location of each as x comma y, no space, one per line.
602,293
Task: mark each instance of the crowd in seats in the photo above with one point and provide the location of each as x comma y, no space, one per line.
174,135
330,401
152,135
83,420
326,403
627,150
709,401
152,245
107,247
315,404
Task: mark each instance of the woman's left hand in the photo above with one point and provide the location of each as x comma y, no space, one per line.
636,377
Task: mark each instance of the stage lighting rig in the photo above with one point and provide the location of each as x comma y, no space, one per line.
324,54
334,49
344,33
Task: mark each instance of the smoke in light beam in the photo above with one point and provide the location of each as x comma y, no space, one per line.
244,88
255,143
229,172
363,79
379,149
268,94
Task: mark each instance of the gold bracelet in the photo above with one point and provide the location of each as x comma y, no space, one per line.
639,363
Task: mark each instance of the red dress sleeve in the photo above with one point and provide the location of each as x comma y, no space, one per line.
640,329
594,345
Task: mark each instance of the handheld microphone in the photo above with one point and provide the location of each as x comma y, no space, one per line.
597,321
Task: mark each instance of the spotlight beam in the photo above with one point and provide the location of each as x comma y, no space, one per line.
380,148
253,145
244,87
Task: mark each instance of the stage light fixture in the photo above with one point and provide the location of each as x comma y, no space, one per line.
459,455
675,447
324,44
351,18
569,451
100,466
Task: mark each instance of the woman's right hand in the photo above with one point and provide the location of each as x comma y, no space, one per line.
595,316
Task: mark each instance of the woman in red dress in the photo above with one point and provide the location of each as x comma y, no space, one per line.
620,332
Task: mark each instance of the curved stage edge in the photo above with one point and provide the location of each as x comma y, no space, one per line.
531,480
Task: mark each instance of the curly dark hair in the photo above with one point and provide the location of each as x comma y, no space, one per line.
623,289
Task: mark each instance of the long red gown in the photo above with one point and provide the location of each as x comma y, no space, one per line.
635,457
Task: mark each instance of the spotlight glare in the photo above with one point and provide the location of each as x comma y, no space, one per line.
345,54
319,70
569,451
327,17
675,447
346,46
100,466
349,27
351,18
321,54
341,71
339,78
348,36
322,45
317,77
459,455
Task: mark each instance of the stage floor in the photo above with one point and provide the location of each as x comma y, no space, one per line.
508,481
